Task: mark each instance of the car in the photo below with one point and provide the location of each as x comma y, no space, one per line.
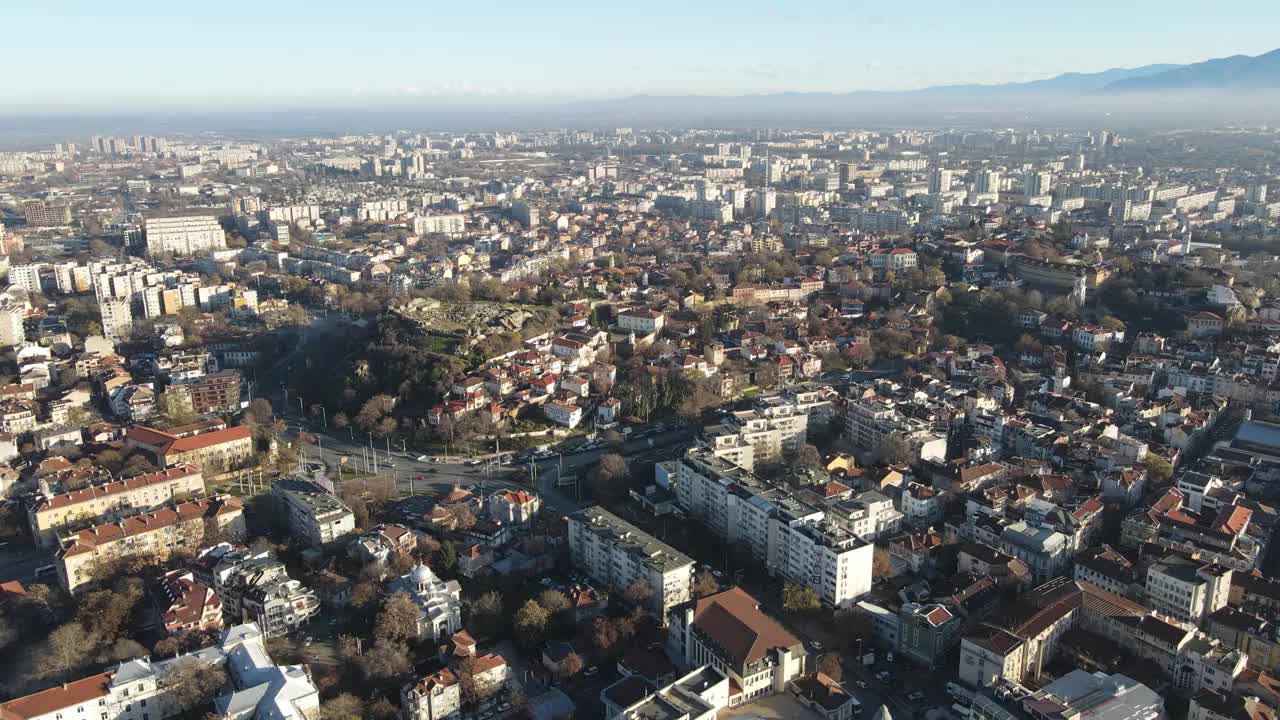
591,671
424,458
472,463
308,640
433,470
815,644
916,696
504,706
862,684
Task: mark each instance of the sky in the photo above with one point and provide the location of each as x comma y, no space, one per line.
73,55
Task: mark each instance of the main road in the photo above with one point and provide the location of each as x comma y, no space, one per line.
554,475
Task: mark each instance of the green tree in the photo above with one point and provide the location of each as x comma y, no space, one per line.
1158,469
800,599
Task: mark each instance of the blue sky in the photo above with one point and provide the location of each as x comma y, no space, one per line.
135,54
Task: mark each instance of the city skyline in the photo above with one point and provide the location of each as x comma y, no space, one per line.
286,55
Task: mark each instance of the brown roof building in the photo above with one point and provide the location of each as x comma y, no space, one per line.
730,632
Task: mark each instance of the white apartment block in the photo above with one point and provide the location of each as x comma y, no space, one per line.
452,225
791,538
870,422
1187,592
761,435
185,234
12,315
316,516
615,552
117,318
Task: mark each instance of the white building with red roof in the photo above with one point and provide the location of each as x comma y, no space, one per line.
514,507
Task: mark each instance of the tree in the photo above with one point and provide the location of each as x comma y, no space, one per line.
638,593
895,449
259,411
398,620
343,707
800,598
193,683
571,665
553,601
705,584
446,561
881,564
383,709
485,614
1158,468
606,479
604,635
829,665
64,650
386,661
808,456
531,624
463,517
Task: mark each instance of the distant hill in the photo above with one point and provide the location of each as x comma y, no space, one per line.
1238,72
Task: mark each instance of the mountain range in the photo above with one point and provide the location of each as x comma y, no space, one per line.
1236,87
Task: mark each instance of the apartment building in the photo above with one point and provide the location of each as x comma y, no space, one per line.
437,696
316,516
259,590
184,233
617,554
790,537
773,426
213,450
187,605
1187,591
868,515
117,318
873,423
155,534
453,225
209,394
136,689
12,315
49,513
642,321
729,632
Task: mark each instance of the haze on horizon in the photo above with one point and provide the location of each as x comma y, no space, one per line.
385,54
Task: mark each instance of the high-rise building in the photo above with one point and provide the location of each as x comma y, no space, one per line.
117,318
184,234
1039,183
12,313
987,181
939,181
764,201
525,213
1256,194
40,213
620,555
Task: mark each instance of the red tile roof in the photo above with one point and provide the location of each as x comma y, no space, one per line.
66,695
733,620
75,497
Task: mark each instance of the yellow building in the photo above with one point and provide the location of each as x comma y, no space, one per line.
53,512
155,535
